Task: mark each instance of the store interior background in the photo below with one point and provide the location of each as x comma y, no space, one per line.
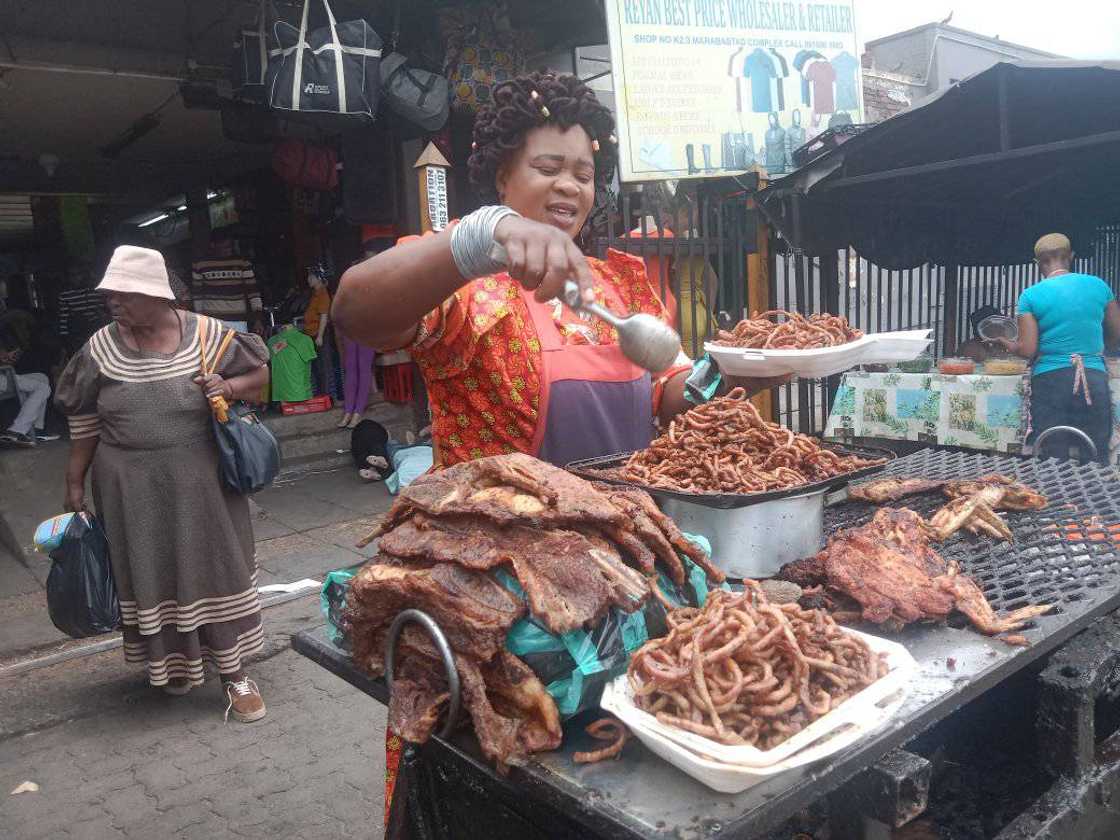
119,127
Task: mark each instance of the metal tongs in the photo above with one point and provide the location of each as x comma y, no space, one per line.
645,340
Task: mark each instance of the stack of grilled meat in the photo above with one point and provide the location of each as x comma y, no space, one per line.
576,549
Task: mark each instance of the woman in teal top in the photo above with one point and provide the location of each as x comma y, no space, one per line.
1065,320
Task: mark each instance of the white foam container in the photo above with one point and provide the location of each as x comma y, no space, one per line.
876,348
868,708
734,778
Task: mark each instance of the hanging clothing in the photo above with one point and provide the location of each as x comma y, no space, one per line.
357,370
759,68
81,313
318,307
182,542
847,84
225,288
482,357
292,353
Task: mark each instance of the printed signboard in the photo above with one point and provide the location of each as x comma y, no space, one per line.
712,87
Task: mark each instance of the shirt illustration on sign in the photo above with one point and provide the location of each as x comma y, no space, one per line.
847,91
799,64
781,73
759,69
822,77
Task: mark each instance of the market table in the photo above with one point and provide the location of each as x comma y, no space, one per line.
974,411
641,796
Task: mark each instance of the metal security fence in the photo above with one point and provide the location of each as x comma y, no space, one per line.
694,244
875,299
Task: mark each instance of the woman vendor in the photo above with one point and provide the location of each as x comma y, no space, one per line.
1064,322
508,367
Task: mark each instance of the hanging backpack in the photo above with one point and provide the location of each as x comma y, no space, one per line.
249,67
329,70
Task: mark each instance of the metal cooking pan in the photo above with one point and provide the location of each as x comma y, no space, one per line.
605,468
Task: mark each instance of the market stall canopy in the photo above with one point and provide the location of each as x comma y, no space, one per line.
971,175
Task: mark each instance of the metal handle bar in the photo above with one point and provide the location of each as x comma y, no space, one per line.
428,623
1069,429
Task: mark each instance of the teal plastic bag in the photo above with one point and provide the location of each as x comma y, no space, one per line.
332,601
575,666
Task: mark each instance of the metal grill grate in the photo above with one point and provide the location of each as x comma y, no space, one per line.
1060,554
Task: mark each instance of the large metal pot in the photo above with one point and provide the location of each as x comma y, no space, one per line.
757,540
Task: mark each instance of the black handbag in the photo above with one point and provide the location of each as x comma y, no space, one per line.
248,453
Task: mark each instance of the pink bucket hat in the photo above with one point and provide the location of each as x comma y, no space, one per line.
140,271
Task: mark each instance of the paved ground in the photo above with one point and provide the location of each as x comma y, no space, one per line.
304,526
115,758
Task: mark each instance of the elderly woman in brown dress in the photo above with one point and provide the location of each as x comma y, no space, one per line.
181,541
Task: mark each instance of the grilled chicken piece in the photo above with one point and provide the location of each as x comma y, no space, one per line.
962,511
892,489
970,600
1016,496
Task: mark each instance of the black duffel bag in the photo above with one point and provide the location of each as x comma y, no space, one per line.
249,65
81,594
332,70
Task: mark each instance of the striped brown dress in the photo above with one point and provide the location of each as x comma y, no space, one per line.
181,542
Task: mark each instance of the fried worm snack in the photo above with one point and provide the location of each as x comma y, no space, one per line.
724,446
745,671
763,331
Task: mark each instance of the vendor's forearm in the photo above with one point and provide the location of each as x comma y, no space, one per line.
81,456
380,301
248,386
672,398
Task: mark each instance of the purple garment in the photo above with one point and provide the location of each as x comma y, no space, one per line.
357,367
587,419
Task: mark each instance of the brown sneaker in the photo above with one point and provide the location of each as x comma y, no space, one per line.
244,701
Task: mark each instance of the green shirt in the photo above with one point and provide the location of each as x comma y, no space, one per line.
292,352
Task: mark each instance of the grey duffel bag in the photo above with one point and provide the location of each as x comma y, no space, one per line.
419,96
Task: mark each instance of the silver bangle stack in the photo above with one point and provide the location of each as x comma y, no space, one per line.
472,239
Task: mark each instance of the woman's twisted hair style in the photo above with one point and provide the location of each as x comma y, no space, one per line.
529,102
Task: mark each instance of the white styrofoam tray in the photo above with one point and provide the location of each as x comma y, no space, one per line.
876,348
734,778
859,709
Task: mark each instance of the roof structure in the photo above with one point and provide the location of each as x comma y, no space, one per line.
971,175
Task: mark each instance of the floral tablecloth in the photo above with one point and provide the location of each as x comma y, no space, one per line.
975,411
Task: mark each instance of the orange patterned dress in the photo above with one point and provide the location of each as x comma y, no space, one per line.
481,357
